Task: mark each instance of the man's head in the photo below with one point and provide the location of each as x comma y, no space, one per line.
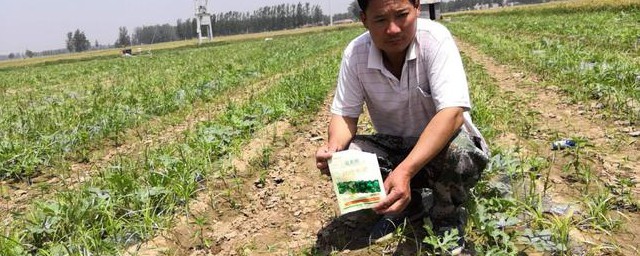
391,23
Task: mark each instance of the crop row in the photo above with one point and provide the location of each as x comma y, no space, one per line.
129,200
509,210
592,54
55,112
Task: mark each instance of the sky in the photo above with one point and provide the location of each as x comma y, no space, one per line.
39,25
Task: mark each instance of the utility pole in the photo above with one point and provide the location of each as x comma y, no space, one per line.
330,15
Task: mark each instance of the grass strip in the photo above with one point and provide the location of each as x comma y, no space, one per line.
591,54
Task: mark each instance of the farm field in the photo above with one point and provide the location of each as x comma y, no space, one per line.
209,150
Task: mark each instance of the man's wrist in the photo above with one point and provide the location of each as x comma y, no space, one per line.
334,147
406,170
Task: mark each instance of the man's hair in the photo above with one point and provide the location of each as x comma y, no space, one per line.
365,3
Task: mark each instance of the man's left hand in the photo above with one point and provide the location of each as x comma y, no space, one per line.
398,193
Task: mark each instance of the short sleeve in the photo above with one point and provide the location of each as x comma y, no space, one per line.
447,79
349,97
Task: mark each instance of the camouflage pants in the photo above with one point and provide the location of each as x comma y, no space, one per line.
449,175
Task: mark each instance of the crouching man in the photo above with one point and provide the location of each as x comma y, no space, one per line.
409,73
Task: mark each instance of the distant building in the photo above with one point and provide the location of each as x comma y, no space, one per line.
430,9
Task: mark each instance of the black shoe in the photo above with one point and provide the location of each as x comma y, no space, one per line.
389,224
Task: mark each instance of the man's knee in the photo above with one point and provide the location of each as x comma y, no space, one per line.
470,160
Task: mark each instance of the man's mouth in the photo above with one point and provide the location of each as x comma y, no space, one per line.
394,41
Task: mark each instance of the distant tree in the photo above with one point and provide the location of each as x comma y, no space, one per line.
77,41
193,27
70,44
299,15
96,45
81,42
317,14
155,34
354,9
124,39
12,55
29,53
343,16
186,29
180,31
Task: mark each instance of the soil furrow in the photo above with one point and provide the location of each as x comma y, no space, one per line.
293,211
613,152
255,213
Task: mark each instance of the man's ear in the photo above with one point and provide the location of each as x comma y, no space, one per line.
363,18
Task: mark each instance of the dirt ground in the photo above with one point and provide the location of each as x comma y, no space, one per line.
292,209
288,208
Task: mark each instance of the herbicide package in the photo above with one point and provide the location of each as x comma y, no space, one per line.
356,180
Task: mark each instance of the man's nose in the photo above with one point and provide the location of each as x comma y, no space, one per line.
393,28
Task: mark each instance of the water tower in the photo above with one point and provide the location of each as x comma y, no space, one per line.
203,19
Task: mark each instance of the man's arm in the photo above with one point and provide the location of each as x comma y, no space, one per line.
432,140
341,131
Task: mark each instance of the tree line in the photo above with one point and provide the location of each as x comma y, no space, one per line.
267,18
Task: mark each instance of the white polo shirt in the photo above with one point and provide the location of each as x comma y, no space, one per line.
432,78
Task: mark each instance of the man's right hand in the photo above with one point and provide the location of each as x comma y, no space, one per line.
341,131
323,154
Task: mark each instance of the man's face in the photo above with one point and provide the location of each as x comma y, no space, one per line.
391,24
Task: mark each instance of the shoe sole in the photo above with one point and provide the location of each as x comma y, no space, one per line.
457,251
382,239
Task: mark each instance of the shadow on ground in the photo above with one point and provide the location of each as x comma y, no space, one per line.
350,232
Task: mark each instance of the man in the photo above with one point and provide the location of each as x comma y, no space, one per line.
409,73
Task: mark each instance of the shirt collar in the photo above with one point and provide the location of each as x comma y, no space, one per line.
375,55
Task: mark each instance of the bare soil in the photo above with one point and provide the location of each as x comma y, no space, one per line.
292,209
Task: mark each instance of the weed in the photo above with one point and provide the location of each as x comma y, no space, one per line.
624,199
201,223
263,161
597,213
561,226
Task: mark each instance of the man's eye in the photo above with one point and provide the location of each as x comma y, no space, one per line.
379,20
402,15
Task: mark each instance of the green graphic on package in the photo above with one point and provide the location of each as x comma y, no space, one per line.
360,186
